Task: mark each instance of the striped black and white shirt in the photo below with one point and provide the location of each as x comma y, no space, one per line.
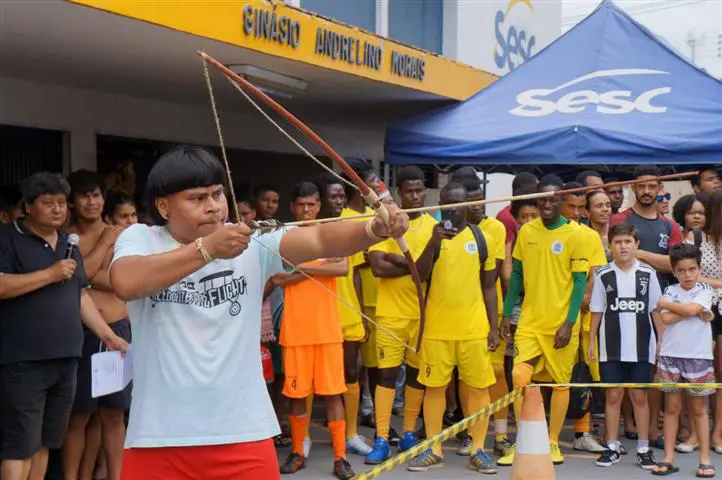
626,300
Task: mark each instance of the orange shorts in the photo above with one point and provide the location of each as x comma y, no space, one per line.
314,369
239,461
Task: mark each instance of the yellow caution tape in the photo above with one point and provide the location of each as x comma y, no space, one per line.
444,435
684,386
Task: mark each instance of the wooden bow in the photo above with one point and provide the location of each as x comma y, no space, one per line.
369,196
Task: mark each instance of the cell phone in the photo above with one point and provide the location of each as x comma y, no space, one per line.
449,220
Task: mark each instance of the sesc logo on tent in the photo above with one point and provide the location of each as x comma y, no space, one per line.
541,102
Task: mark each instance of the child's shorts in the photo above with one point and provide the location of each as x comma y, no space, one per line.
685,370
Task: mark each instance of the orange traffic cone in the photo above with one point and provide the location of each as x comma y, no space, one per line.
532,458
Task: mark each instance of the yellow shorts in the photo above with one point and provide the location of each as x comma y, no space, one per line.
368,348
439,357
354,332
497,356
554,364
593,365
389,352
314,369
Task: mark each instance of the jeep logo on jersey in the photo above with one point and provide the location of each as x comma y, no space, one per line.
628,305
541,102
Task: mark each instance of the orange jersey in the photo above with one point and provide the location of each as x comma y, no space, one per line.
310,313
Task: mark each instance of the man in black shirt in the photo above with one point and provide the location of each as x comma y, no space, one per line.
42,305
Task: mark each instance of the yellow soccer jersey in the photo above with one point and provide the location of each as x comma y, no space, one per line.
497,230
549,258
455,307
397,297
369,283
345,286
597,258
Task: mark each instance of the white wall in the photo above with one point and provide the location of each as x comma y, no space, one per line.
86,113
476,31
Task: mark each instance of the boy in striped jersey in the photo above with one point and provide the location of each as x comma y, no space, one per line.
623,296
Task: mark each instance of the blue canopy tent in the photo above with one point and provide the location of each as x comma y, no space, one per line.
606,92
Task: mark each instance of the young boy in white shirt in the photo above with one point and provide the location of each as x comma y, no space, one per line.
623,298
686,355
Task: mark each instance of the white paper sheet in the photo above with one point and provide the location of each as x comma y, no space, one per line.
110,372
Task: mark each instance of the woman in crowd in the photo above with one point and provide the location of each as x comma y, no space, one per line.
689,211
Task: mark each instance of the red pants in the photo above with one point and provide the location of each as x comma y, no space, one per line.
237,461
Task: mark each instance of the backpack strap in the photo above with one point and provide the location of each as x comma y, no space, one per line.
697,237
481,247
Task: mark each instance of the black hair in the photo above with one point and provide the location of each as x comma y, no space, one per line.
304,189
363,169
83,182
114,200
550,180
582,177
517,205
324,181
245,200
471,184
263,187
684,251
452,186
409,174
182,168
591,195
463,173
43,183
684,205
573,186
696,179
622,228
647,171
524,181
10,197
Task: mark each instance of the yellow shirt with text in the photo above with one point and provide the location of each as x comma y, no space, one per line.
549,258
369,283
397,297
455,307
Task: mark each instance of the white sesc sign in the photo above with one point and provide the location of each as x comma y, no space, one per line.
540,102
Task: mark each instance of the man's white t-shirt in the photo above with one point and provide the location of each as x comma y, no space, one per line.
197,369
691,337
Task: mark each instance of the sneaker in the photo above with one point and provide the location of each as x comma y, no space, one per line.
646,460
506,460
424,461
465,447
481,462
379,452
587,443
393,437
557,457
407,440
608,458
358,446
342,469
293,463
503,447
307,444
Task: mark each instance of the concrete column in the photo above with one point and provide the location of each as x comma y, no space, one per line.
450,29
382,17
83,149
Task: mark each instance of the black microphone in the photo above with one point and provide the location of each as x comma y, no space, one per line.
73,240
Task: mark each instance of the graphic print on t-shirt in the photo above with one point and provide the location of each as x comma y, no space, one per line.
210,291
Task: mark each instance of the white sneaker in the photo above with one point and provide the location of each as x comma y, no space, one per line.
307,443
587,443
357,445
465,447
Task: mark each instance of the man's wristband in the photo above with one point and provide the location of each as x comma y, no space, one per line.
370,232
204,253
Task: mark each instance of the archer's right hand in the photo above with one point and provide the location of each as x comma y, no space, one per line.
228,241
62,270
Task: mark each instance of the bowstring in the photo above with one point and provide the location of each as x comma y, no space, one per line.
217,121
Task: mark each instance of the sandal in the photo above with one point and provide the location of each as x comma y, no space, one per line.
717,449
663,469
702,467
686,447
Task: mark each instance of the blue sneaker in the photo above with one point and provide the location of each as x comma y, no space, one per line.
407,440
379,452
481,462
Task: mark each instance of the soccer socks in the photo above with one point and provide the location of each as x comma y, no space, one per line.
496,391
299,426
351,400
559,406
478,399
584,424
384,403
434,405
521,376
337,429
413,398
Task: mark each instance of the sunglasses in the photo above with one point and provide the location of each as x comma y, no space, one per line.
662,198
